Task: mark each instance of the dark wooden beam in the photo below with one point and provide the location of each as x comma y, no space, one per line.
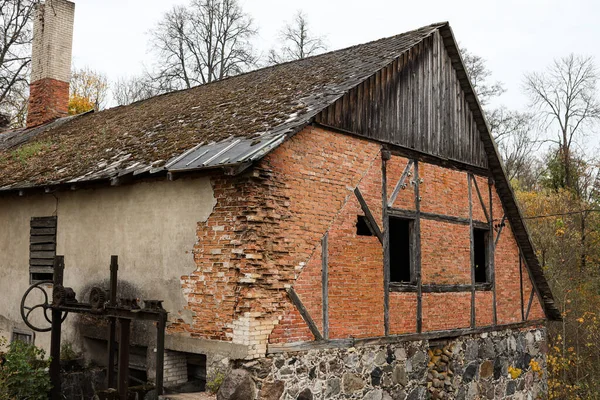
304,313
392,339
492,253
521,286
385,156
502,223
483,206
325,283
439,288
530,303
472,252
411,214
417,250
400,185
373,226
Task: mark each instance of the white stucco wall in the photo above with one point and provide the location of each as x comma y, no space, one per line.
150,226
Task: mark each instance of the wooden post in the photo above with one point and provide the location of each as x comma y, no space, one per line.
55,393
473,317
325,283
417,250
385,156
521,286
123,382
112,322
492,253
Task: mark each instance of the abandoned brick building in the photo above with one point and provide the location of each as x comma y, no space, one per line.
334,227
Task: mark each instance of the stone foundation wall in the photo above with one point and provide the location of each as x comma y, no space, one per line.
509,364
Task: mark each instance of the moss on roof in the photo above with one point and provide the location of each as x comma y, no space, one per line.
150,132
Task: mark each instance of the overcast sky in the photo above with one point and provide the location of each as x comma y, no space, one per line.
514,36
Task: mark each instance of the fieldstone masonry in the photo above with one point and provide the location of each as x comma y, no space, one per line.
506,364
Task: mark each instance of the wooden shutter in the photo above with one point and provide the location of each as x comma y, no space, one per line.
42,248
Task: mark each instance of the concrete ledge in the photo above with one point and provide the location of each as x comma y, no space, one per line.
189,344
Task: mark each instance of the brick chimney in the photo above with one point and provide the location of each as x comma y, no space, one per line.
50,61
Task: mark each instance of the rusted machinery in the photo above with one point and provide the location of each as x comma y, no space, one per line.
102,303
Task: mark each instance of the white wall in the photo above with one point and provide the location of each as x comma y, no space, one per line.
150,226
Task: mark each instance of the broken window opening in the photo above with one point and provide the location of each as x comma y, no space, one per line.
400,250
480,247
362,226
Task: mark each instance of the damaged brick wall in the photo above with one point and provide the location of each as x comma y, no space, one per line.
265,235
265,228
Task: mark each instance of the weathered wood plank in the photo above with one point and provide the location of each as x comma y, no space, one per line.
502,223
42,247
42,239
530,303
42,254
325,283
41,262
483,206
472,252
304,313
411,214
521,287
439,288
492,253
417,250
385,156
383,340
400,185
373,226
43,222
42,231
41,270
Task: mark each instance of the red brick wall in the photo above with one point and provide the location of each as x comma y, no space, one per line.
265,234
48,100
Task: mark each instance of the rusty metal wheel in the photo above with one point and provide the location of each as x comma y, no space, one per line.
44,306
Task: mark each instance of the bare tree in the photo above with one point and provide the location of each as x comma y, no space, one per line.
564,100
514,136
129,90
480,76
90,86
207,41
298,41
512,130
15,55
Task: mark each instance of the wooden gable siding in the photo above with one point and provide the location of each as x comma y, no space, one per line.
415,102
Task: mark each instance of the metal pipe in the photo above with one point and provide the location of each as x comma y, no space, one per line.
55,394
112,326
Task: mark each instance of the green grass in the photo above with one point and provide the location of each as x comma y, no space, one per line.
29,150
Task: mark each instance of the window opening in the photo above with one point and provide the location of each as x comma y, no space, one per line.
400,250
362,226
480,242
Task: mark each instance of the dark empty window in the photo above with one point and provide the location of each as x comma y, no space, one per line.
22,336
42,248
362,226
480,242
400,254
